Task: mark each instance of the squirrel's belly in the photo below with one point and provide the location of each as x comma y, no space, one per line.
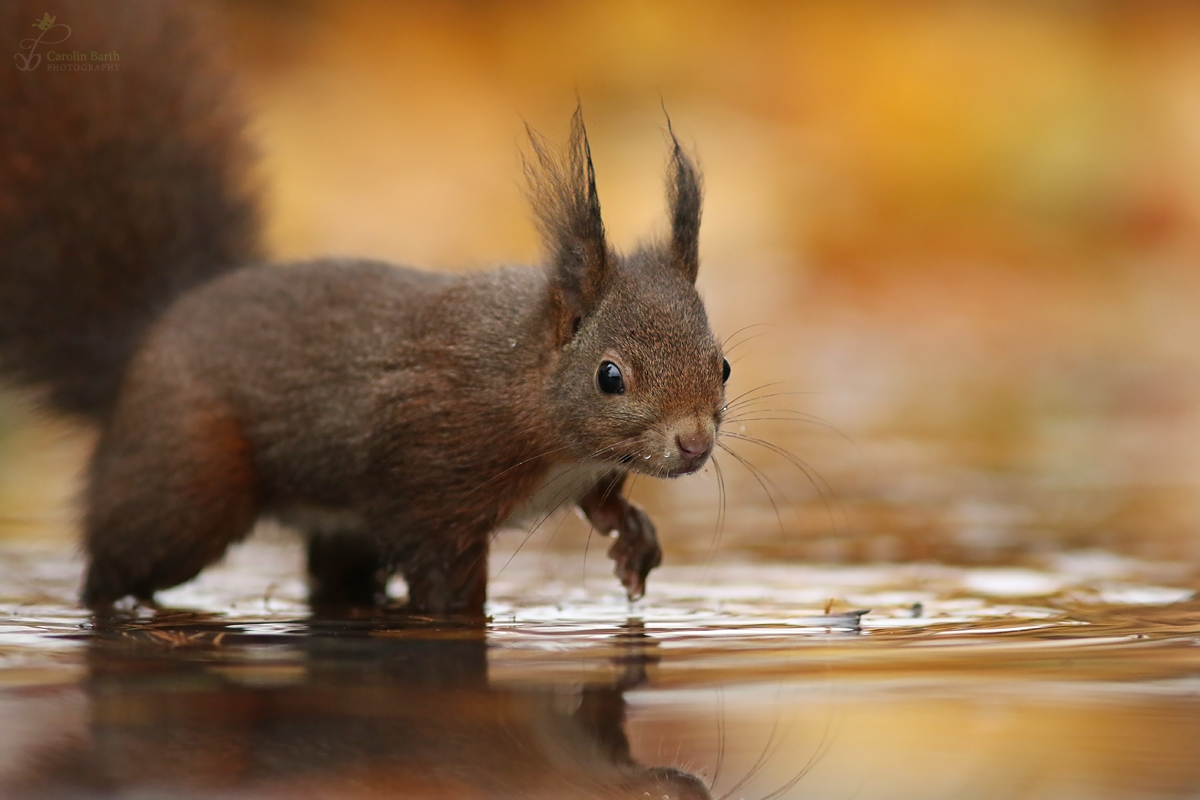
563,484
316,519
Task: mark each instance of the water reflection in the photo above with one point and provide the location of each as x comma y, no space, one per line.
188,706
1078,678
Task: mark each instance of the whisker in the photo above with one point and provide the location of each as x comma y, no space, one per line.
760,470
758,765
738,402
560,499
745,328
575,482
503,525
592,455
824,490
562,518
754,471
564,474
742,411
796,415
734,401
632,481
576,478
752,404
748,339
573,489
720,740
592,528
514,466
712,546
796,461
823,748
807,419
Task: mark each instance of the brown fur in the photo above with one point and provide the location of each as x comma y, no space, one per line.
118,190
397,417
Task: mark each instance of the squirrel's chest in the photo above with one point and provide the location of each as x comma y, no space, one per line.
563,484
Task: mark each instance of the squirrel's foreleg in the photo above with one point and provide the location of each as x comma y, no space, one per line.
636,550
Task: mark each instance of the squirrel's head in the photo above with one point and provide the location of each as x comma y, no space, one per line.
640,378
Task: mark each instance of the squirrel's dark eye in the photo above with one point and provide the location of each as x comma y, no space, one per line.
609,378
724,370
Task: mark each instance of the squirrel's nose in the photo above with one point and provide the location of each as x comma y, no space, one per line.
694,446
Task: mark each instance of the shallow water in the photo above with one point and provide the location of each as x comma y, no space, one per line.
1078,679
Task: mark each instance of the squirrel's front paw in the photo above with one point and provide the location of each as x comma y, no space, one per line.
636,551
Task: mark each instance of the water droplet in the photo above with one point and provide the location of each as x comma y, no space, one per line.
512,342
647,456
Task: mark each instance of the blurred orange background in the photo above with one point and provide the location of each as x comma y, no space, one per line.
969,230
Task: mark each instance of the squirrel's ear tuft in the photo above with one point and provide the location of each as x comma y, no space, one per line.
685,193
563,190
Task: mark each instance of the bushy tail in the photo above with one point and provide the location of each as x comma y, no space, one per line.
119,188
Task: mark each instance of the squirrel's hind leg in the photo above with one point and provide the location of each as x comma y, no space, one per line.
170,488
345,569
449,578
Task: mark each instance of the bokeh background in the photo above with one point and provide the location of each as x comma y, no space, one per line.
967,234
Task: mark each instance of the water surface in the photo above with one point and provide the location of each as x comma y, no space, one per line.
1077,679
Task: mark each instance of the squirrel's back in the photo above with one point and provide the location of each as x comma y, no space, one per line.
120,188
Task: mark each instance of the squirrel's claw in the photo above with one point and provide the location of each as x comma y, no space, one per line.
636,551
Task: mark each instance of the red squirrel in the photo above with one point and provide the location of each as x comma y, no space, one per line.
398,418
